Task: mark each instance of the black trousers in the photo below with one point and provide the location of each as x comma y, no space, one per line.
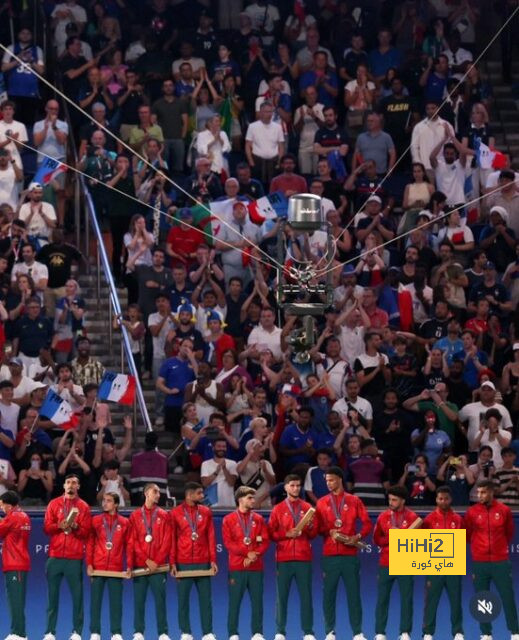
119,225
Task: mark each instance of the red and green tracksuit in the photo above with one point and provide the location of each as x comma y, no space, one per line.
340,561
187,553
392,520
294,561
111,530
157,522
490,530
15,530
236,527
434,584
66,552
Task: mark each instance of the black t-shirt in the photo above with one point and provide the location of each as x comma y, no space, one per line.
72,86
330,137
333,191
58,258
397,114
120,205
91,439
86,131
234,327
434,328
396,445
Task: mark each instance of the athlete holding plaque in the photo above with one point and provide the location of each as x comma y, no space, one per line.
396,517
149,545
105,550
245,536
193,547
293,556
67,522
338,513
443,517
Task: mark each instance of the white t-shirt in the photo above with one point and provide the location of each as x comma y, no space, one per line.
493,179
337,373
362,405
78,15
37,271
13,127
352,343
37,225
196,64
224,489
26,386
461,56
265,139
159,341
8,187
266,340
419,313
495,446
9,415
450,179
66,395
474,413
263,18
310,127
251,468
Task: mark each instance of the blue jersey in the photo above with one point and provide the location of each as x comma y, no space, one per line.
21,81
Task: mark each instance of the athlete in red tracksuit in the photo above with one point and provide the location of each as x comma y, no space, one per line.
396,517
106,548
66,552
490,529
339,512
245,536
443,517
15,530
193,546
293,557
149,546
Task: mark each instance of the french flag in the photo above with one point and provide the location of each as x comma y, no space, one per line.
58,411
49,169
270,207
117,387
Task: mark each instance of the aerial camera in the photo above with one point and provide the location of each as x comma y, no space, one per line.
299,282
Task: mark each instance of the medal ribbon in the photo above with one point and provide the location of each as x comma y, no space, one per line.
337,512
192,523
109,529
245,525
295,514
394,520
149,528
68,505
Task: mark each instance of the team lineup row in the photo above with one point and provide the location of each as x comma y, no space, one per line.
183,543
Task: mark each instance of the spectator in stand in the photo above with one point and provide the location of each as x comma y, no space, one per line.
218,476
264,144
507,478
507,197
183,239
315,481
68,321
308,119
427,134
322,76
249,187
297,443
10,176
99,122
417,481
375,144
85,368
288,182
145,130
39,217
67,389
257,472
148,466
367,475
31,333
35,483
384,57
450,170
74,68
174,376
172,117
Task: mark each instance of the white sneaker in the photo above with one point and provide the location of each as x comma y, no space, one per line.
116,636
257,636
380,636
159,421
186,636
485,637
330,636
51,636
514,636
235,637
404,636
95,636
359,636
164,636
136,636
280,636
428,636
309,636
209,636
460,636
75,636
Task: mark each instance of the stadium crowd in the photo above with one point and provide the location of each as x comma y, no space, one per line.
414,376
